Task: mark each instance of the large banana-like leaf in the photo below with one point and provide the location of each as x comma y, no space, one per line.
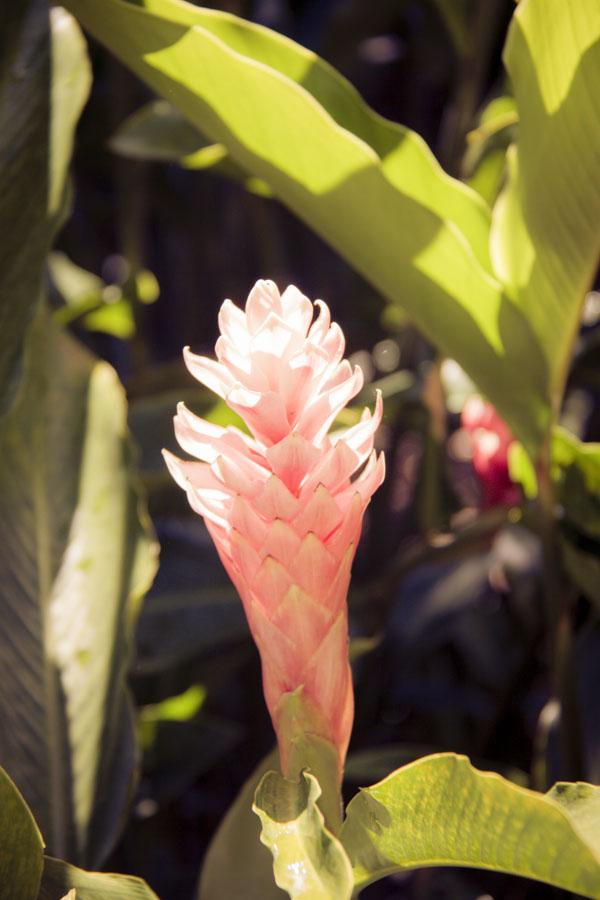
75,554
440,811
369,187
22,847
44,81
546,239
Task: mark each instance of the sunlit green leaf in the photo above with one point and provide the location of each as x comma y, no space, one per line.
76,555
22,847
546,235
71,80
441,811
112,318
59,877
368,186
576,472
180,708
308,861
521,470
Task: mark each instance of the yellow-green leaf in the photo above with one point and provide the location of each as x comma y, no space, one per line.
308,861
441,811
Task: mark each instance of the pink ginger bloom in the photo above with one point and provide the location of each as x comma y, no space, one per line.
285,506
490,440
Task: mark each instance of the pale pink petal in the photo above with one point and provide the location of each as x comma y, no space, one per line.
275,501
263,299
264,414
296,309
334,470
232,324
194,474
315,421
328,680
360,437
303,620
244,556
335,598
281,667
244,518
320,326
291,458
321,515
212,374
270,584
371,477
282,543
349,531
241,475
314,567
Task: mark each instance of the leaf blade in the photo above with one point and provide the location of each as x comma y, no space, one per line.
370,188
441,811
76,555
21,860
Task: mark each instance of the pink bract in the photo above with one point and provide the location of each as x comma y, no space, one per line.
285,506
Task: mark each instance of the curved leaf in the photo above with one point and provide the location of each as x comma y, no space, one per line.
22,847
60,879
76,554
552,202
369,187
40,101
308,861
441,811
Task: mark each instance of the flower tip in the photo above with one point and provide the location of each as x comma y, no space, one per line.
174,467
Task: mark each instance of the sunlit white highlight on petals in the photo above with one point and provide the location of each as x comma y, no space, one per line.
285,505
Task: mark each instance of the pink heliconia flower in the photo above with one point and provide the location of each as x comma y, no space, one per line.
490,440
285,506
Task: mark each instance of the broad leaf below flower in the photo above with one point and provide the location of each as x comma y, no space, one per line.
440,811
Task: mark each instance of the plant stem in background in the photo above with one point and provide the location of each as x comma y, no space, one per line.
558,600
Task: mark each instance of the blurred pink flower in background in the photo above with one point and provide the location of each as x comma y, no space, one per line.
490,440
285,506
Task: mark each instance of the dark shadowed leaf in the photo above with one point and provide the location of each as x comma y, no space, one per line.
237,864
41,96
22,847
76,555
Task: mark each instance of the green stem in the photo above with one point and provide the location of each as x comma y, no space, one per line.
559,617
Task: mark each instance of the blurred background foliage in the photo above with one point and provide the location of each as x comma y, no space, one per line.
446,603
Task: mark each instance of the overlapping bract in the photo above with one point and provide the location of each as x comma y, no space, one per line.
285,506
